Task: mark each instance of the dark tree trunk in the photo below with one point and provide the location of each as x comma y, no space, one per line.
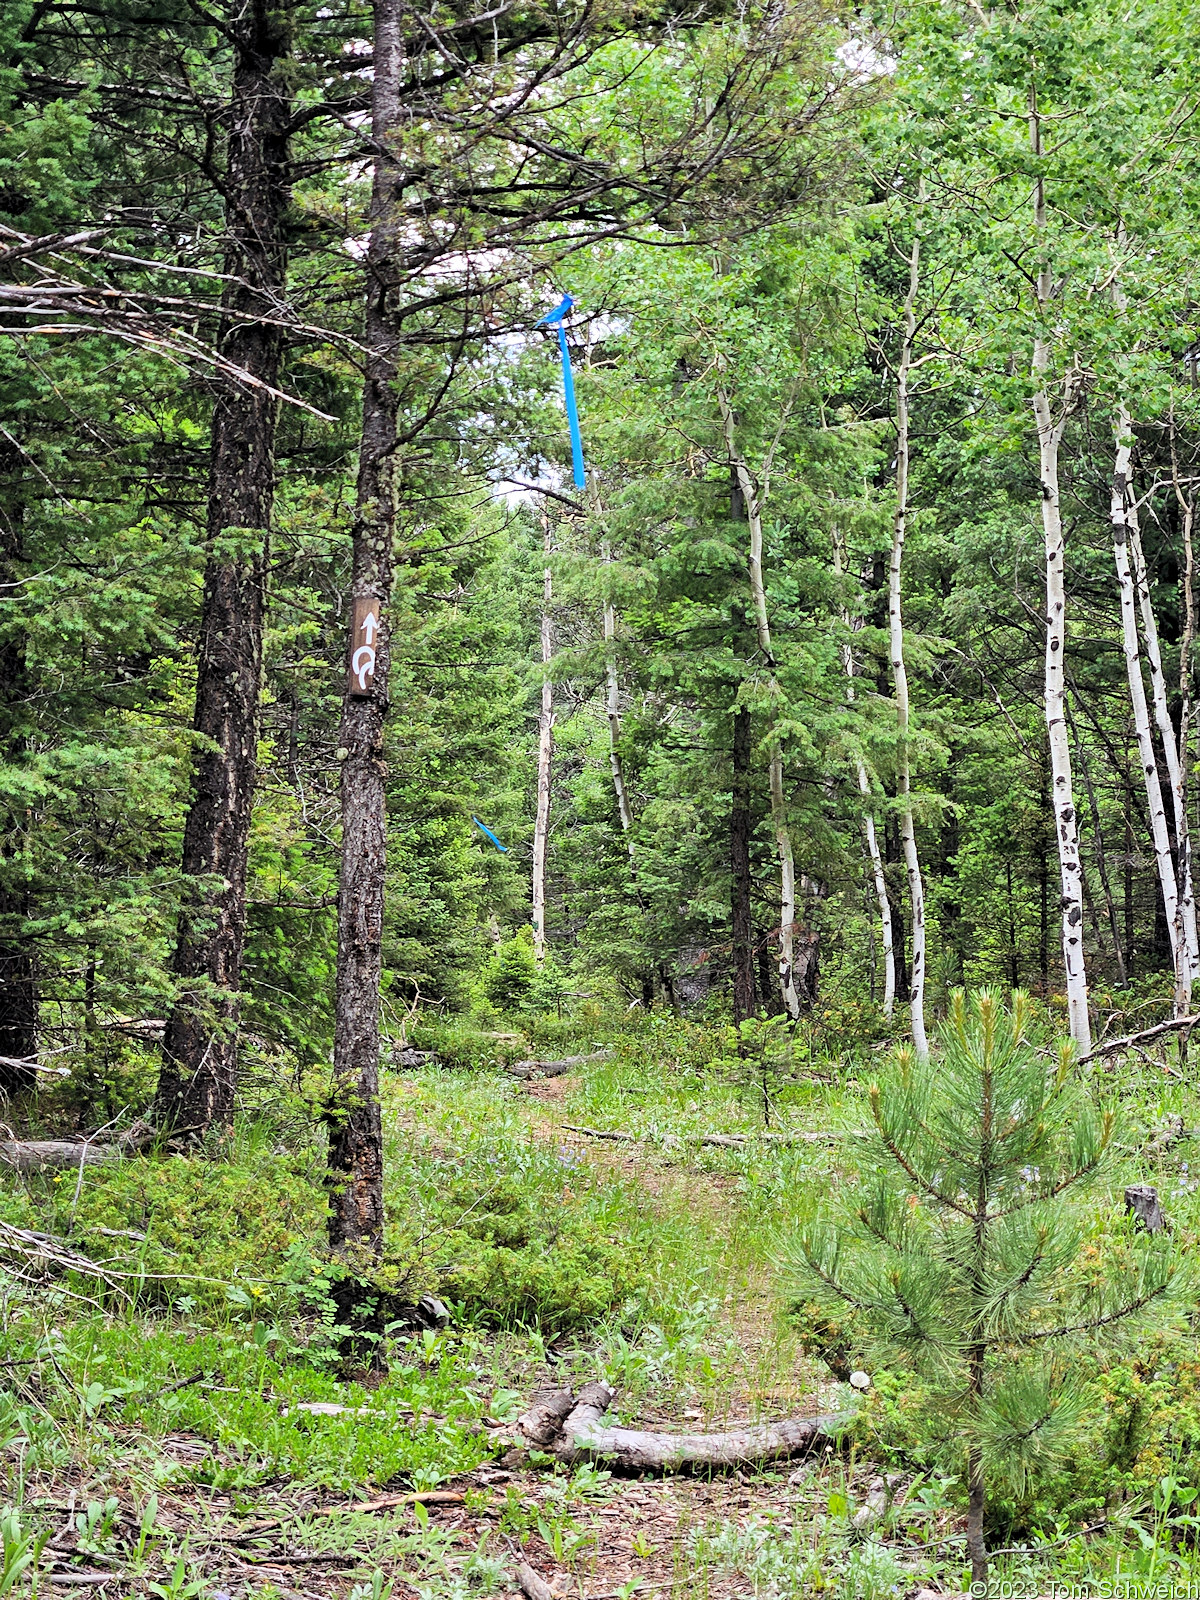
769,997
18,986
894,878
739,868
355,1132
1128,884
976,1505
198,1078
807,966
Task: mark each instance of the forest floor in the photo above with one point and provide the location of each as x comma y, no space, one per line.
201,1461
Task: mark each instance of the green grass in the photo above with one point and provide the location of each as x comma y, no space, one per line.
654,1263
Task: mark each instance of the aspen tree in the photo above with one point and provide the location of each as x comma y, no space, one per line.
752,496
541,826
870,837
1050,432
1165,866
908,835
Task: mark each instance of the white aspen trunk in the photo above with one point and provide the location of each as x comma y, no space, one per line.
613,710
1186,915
1141,712
1187,509
1065,820
868,821
541,826
779,822
908,834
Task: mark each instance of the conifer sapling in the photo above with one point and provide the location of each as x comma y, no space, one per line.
966,1248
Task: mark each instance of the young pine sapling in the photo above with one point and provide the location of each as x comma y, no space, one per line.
970,1249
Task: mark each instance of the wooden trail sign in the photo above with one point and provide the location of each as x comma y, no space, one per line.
364,634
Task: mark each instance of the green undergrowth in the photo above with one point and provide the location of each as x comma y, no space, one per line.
95,1394
654,1261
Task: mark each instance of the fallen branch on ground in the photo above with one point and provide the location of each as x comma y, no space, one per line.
733,1141
582,1435
1130,1041
532,1586
52,1255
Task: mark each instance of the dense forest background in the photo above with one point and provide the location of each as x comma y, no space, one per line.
876,243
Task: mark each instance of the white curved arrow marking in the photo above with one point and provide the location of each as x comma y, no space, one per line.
362,664
369,624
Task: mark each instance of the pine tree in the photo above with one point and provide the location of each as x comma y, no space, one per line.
964,1249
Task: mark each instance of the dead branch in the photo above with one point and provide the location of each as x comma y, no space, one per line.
734,1141
584,1436
532,1586
1130,1041
53,1256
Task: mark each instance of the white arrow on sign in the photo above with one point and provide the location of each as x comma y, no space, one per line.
363,664
368,625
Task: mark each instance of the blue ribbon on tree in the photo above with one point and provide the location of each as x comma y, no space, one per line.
555,319
503,848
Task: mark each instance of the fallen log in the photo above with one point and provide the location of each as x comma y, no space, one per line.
552,1069
585,1437
39,1155
548,1410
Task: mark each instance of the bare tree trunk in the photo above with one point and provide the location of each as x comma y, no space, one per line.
613,711
783,839
908,832
18,979
1187,508
541,825
353,1112
739,870
868,821
1101,861
1066,829
1141,714
198,1077
1185,916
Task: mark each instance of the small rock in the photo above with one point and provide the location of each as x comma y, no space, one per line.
432,1312
409,1060
860,1380
800,1477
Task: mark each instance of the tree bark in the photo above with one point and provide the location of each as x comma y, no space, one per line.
870,836
612,706
1101,864
198,1078
1066,829
1120,509
18,982
1188,597
976,1503
908,834
541,825
752,501
1185,915
739,869
356,1214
